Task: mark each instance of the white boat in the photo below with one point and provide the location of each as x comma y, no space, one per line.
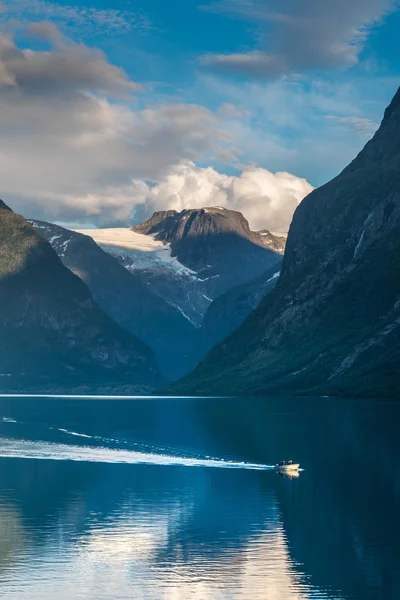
287,468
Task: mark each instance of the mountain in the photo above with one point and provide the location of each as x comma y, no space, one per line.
188,259
216,243
332,324
127,299
151,263
227,312
52,333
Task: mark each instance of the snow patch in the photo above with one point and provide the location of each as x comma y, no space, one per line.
300,371
360,243
184,314
274,276
54,238
63,247
208,278
36,225
145,251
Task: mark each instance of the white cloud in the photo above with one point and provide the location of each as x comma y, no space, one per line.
72,131
284,126
76,133
268,200
297,36
357,124
69,68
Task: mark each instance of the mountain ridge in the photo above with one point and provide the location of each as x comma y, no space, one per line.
52,332
215,242
331,326
126,298
190,258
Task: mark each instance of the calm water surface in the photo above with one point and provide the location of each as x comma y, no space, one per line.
176,499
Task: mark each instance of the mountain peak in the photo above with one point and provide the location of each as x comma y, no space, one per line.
215,242
173,227
20,245
332,324
393,106
169,224
4,206
384,145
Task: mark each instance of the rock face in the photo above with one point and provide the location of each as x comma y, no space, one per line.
123,295
217,244
52,333
332,325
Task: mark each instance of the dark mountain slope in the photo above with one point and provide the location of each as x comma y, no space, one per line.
229,310
217,244
332,325
51,331
127,299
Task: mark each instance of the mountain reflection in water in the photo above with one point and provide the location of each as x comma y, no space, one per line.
122,513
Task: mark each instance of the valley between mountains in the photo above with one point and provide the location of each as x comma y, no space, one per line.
199,299
159,280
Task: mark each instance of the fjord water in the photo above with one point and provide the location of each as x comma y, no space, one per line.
168,498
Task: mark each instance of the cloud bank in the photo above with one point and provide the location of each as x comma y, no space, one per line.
82,141
297,36
73,131
268,200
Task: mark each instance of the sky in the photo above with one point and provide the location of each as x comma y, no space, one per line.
112,109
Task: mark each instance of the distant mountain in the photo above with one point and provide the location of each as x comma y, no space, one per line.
332,324
52,334
190,265
127,299
229,310
216,243
151,263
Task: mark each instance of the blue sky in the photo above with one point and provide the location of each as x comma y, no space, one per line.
228,84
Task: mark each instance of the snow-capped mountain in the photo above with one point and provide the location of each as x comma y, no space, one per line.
192,257
217,244
157,285
152,262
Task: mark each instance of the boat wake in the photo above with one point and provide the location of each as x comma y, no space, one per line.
74,433
11,448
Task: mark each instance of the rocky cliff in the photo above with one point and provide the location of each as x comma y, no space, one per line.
332,325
